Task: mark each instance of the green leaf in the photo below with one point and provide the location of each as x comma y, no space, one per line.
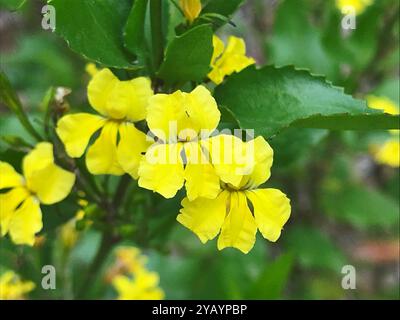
288,46
272,281
134,34
188,56
223,8
313,248
94,28
10,99
271,99
361,207
12,4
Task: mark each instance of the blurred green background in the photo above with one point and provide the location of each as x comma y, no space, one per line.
345,207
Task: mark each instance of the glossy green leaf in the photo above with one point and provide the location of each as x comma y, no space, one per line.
94,29
188,56
271,99
134,33
222,7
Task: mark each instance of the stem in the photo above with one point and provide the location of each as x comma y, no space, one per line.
105,247
121,190
157,32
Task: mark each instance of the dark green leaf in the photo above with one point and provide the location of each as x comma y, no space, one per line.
134,35
94,28
222,7
271,99
188,56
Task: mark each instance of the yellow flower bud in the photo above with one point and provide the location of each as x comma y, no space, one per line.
191,9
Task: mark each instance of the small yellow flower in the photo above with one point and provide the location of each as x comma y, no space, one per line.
191,9
229,213
131,279
346,6
68,233
43,182
142,286
120,103
226,61
180,120
389,152
12,287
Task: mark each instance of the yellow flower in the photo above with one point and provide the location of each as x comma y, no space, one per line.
180,120
120,103
229,213
389,152
139,283
142,286
357,5
68,233
42,182
224,62
12,287
191,9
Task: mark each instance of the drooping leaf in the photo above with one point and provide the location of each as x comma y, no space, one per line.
94,29
271,99
188,56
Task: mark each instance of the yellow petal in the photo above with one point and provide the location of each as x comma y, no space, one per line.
166,115
75,131
161,170
229,157
233,59
218,49
131,147
204,216
91,69
8,203
26,222
239,228
9,177
202,110
130,99
389,153
38,159
201,178
263,156
383,103
191,9
51,184
102,156
271,211
99,90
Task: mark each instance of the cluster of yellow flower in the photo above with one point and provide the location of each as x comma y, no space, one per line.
12,287
221,173
130,277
